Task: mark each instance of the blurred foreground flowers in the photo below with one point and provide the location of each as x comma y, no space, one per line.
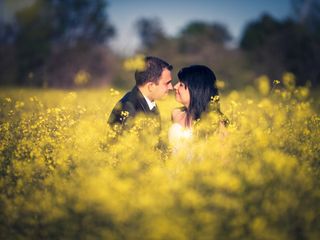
65,174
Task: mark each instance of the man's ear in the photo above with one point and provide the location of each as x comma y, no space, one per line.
150,86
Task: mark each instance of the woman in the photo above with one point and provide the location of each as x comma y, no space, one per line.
197,92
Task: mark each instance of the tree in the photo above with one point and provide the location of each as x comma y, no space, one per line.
150,32
307,13
204,43
257,33
48,26
80,21
197,35
8,63
277,46
214,32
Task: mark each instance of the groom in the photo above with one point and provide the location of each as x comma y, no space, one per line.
152,83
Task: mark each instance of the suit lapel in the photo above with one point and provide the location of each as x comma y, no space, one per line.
141,100
143,105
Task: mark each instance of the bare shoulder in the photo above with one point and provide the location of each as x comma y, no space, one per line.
178,115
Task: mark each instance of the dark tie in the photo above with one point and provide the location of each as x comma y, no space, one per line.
154,109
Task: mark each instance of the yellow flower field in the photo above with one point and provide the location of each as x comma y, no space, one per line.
66,175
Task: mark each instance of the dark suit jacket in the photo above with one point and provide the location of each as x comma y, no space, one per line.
129,106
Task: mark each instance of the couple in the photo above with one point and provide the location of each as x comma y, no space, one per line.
195,90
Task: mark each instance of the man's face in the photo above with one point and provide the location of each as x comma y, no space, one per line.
161,89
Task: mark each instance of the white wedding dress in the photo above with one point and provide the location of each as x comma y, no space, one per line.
179,137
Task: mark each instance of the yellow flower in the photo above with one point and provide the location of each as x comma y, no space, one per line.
264,85
114,92
215,98
19,104
81,78
135,63
289,80
276,82
220,84
302,92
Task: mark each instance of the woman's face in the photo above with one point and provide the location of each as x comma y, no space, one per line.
182,94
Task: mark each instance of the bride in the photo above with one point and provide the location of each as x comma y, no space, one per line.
197,92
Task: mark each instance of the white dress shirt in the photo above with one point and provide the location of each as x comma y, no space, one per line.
150,104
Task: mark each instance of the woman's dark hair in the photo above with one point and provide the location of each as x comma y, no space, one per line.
201,82
152,71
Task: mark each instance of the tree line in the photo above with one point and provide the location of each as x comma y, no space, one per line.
52,42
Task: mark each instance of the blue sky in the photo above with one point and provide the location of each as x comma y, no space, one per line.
175,14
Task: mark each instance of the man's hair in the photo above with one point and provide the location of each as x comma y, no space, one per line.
152,71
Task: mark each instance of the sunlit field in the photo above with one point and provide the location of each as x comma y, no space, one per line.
65,173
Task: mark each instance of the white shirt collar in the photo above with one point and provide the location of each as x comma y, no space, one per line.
150,104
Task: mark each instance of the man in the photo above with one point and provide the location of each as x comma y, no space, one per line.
152,83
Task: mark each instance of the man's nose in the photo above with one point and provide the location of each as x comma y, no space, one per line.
170,86
175,86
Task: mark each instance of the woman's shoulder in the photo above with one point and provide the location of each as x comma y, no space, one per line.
178,114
